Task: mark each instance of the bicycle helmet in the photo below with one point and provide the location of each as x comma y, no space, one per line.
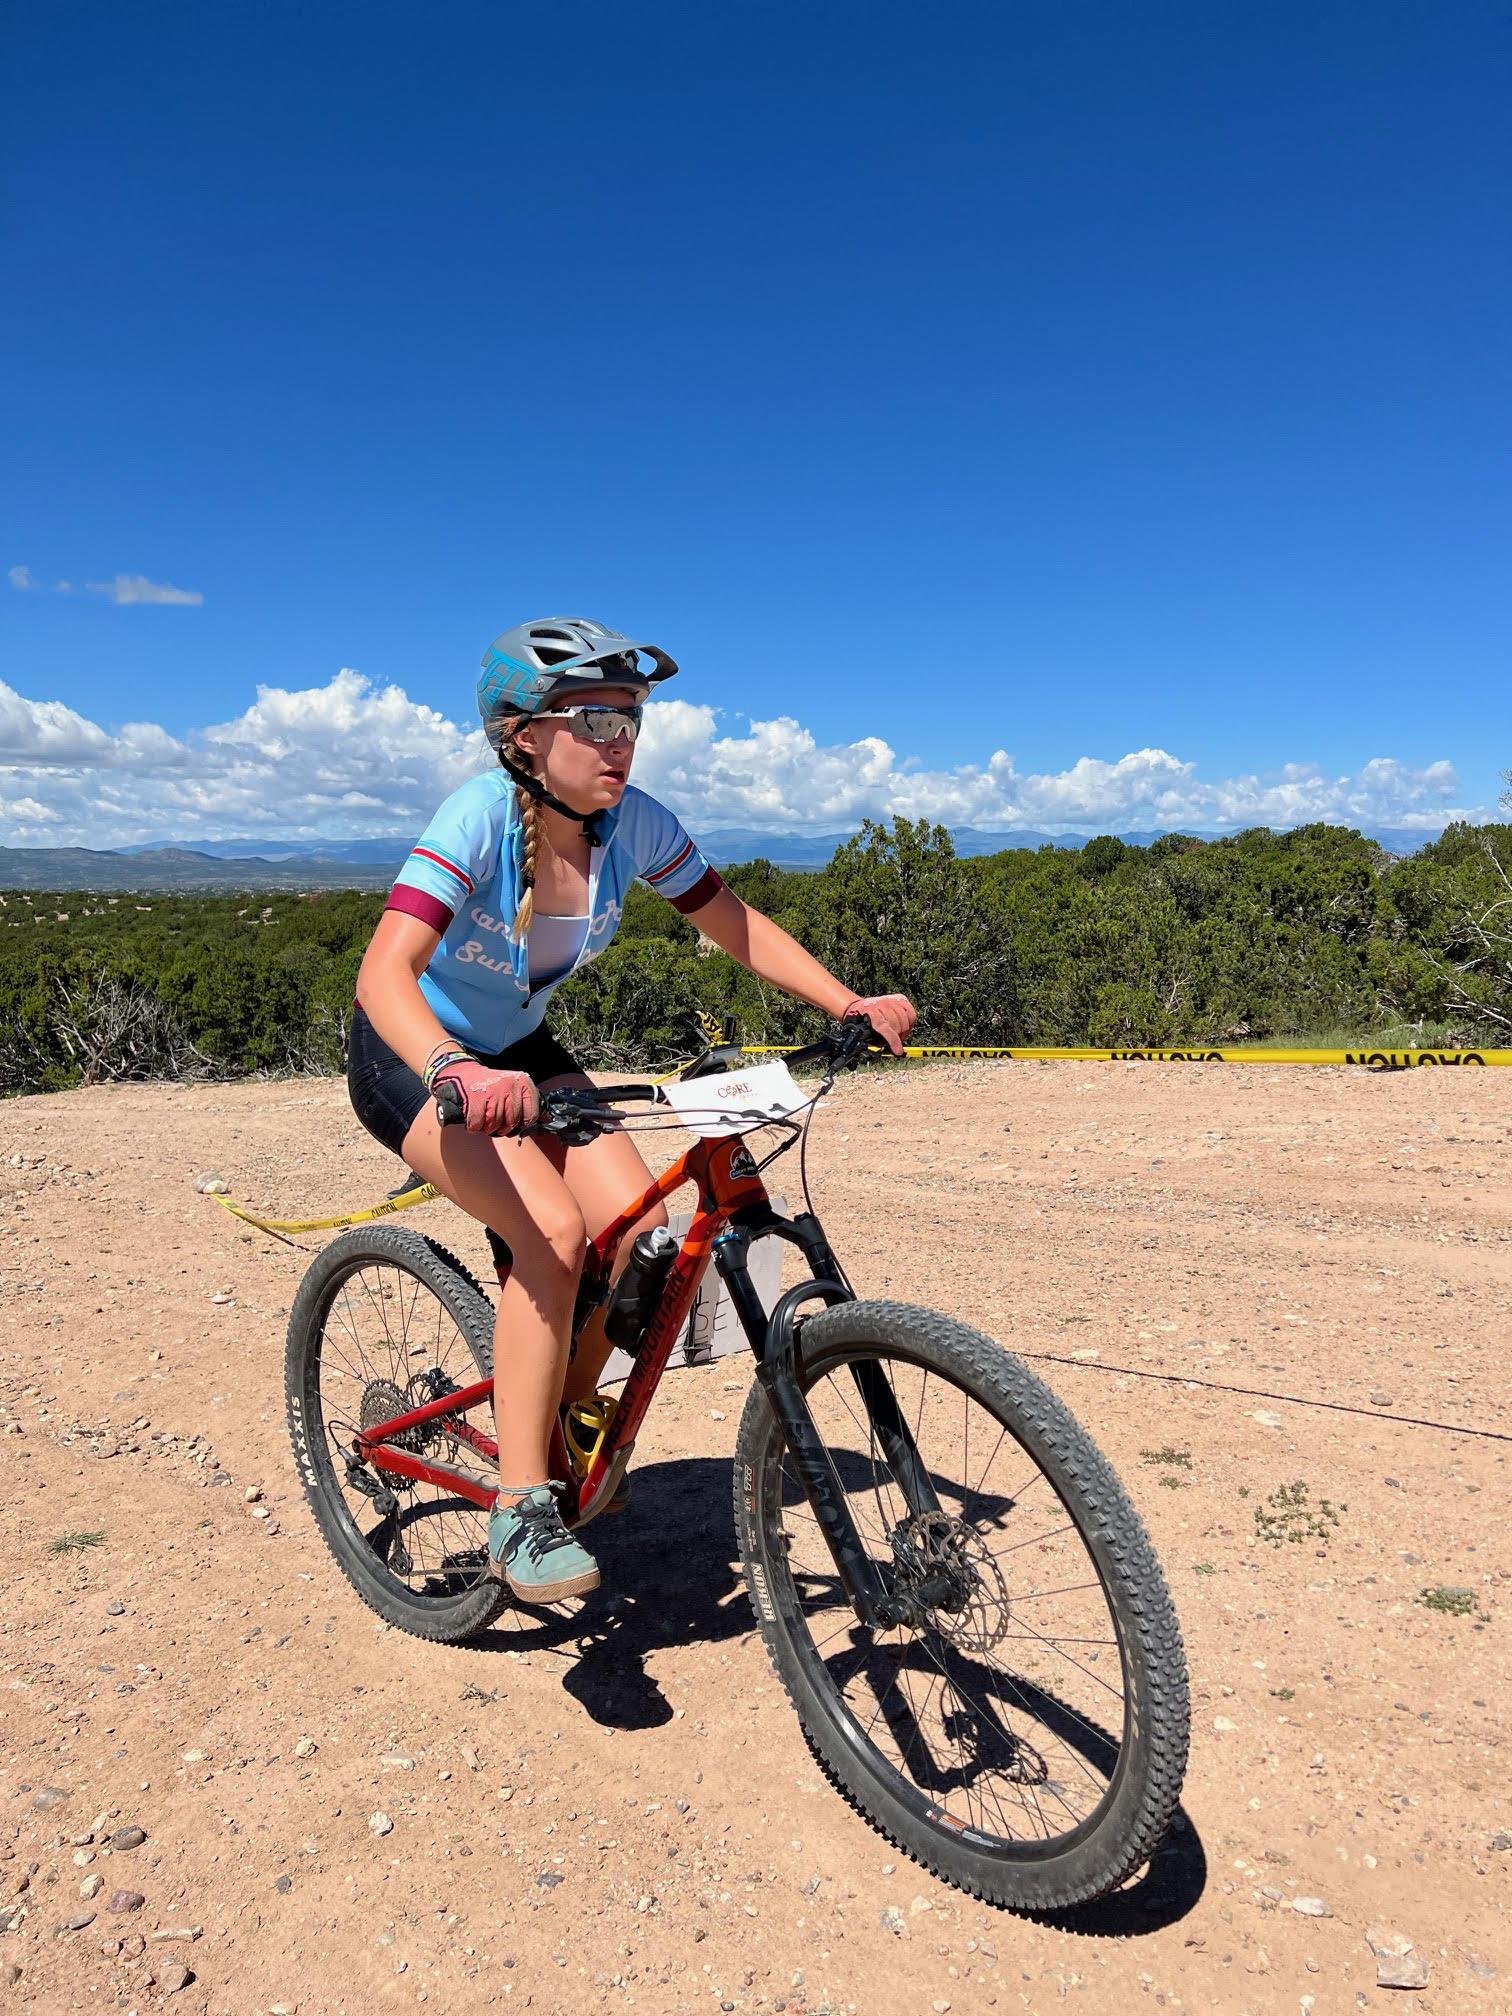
529,666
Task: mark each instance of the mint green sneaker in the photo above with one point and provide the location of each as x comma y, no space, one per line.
531,1550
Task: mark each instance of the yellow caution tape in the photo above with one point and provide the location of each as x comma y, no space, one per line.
422,1195
1380,1060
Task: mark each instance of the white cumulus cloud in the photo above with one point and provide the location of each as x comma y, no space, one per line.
350,759
20,577
128,588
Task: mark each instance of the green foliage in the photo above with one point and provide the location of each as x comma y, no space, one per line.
1186,942
75,1543
1290,1515
1169,1457
1451,1602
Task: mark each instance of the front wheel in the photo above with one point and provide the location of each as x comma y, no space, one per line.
1025,1736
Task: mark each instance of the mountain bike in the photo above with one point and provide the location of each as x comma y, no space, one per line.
960,1601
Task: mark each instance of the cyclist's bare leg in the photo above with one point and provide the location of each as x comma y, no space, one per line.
517,1187
603,1176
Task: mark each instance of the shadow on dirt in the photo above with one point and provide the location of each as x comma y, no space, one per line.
670,1580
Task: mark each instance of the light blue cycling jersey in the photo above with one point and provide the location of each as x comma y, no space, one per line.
463,879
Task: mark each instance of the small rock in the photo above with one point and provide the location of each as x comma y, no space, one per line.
125,1900
547,1880
91,1886
1266,1418
252,1493
396,1761
224,1297
11,1916
116,1609
1501,1841
211,1185
306,1747
109,1948
919,1904
1311,1907
126,1838
891,1920
1401,1970
283,1885
1223,1725
48,1797
10,1974
261,1512
165,1933
78,1921
172,1976
380,1823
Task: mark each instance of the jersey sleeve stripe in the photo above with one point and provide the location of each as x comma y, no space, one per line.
707,886
661,874
416,903
429,854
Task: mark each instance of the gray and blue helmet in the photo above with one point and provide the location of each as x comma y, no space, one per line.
535,663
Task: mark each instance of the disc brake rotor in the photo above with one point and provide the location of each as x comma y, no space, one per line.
947,1569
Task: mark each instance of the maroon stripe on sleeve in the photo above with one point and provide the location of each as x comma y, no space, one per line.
661,874
703,891
415,903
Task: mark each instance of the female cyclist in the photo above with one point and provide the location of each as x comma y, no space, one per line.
518,881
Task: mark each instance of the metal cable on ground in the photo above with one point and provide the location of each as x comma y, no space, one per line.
1259,1393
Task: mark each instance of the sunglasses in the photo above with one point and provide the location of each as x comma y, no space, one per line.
599,724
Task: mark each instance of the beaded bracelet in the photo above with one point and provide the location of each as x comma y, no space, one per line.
437,1064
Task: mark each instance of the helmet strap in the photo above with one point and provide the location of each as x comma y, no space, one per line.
592,831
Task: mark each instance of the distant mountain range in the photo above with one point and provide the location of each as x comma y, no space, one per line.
269,863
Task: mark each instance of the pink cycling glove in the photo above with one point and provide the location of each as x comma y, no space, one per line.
493,1102
891,1015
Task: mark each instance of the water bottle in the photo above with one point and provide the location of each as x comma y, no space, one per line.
639,1288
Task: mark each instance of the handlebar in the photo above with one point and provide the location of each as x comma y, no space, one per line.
575,1114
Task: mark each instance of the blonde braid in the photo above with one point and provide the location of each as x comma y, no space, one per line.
530,820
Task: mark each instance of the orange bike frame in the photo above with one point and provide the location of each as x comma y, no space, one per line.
727,1181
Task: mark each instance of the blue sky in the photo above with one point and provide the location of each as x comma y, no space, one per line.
1048,383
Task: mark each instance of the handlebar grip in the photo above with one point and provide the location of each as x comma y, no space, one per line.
451,1107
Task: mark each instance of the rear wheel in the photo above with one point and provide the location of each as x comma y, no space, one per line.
1025,1735
384,1320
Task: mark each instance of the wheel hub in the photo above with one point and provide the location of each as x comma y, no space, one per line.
949,1578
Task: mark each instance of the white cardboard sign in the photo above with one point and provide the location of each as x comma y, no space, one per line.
736,1102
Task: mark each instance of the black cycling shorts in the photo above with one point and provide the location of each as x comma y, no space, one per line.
386,1095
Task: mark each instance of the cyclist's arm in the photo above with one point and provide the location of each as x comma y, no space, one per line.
388,987
766,950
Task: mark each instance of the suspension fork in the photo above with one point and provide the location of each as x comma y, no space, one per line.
868,1583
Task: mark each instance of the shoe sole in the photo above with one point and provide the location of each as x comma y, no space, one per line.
546,1592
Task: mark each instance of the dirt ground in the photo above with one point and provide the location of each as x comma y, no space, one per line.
644,1826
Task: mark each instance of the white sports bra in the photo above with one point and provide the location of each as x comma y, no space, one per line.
553,944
